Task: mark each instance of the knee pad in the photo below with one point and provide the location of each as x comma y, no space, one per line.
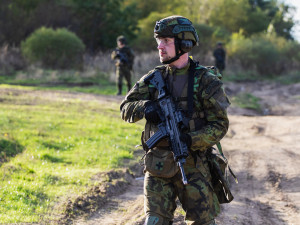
154,219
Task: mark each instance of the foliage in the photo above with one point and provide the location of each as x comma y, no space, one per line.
268,55
247,101
11,60
99,22
255,53
58,48
65,141
19,18
145,40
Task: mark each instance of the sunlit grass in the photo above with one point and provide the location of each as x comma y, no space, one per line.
71,81
50,148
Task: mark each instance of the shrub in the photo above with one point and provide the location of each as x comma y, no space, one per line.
254,53
265,54
58,48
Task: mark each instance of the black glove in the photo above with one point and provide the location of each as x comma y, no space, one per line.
186,138
152,112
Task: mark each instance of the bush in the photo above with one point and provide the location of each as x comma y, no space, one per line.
256,53
268,55
58,48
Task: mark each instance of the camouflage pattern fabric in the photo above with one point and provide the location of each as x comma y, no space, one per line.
210,99
197,198
123,73
124,58
210,104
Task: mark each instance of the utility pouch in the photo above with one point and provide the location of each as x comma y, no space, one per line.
218,166
160,163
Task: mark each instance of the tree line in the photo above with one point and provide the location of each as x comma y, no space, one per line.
98,22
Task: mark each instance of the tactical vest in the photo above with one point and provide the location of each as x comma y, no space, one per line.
197,116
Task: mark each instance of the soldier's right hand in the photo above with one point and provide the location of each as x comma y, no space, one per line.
151,112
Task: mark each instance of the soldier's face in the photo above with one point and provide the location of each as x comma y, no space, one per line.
120,44
166,48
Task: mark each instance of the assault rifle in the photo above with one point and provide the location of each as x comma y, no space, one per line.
121,56
172,123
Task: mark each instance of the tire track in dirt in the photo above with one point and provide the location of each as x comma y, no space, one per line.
268,172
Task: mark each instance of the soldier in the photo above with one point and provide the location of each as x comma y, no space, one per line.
190,85
124,57
220,55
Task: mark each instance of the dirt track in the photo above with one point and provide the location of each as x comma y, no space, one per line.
263,151
265,156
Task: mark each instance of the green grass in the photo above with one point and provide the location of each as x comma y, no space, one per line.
50,148
71,81
247,101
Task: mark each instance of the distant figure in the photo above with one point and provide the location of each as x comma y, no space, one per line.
220,55
124,57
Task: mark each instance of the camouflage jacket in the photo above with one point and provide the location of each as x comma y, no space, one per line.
210,104
123,57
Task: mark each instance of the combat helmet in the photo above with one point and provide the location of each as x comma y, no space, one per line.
121,39
181,29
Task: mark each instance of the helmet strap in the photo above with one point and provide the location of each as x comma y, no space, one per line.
177,50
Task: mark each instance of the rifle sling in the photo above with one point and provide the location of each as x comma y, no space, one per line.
191,88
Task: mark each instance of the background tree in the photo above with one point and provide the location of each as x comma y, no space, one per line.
99,22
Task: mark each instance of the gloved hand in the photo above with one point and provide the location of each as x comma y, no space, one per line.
151,112
186,138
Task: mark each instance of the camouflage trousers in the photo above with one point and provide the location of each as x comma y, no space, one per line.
123,72
197,197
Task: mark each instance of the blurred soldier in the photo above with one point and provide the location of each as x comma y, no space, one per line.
124,57
220,56
200,96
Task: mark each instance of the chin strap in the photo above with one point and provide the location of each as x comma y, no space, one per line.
178,53
173,59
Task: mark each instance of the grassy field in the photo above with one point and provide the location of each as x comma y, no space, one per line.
71,81
50,147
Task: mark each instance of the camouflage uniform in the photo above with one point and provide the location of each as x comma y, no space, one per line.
208,125
123,67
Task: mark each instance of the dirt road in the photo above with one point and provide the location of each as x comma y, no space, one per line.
263,151
265,155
